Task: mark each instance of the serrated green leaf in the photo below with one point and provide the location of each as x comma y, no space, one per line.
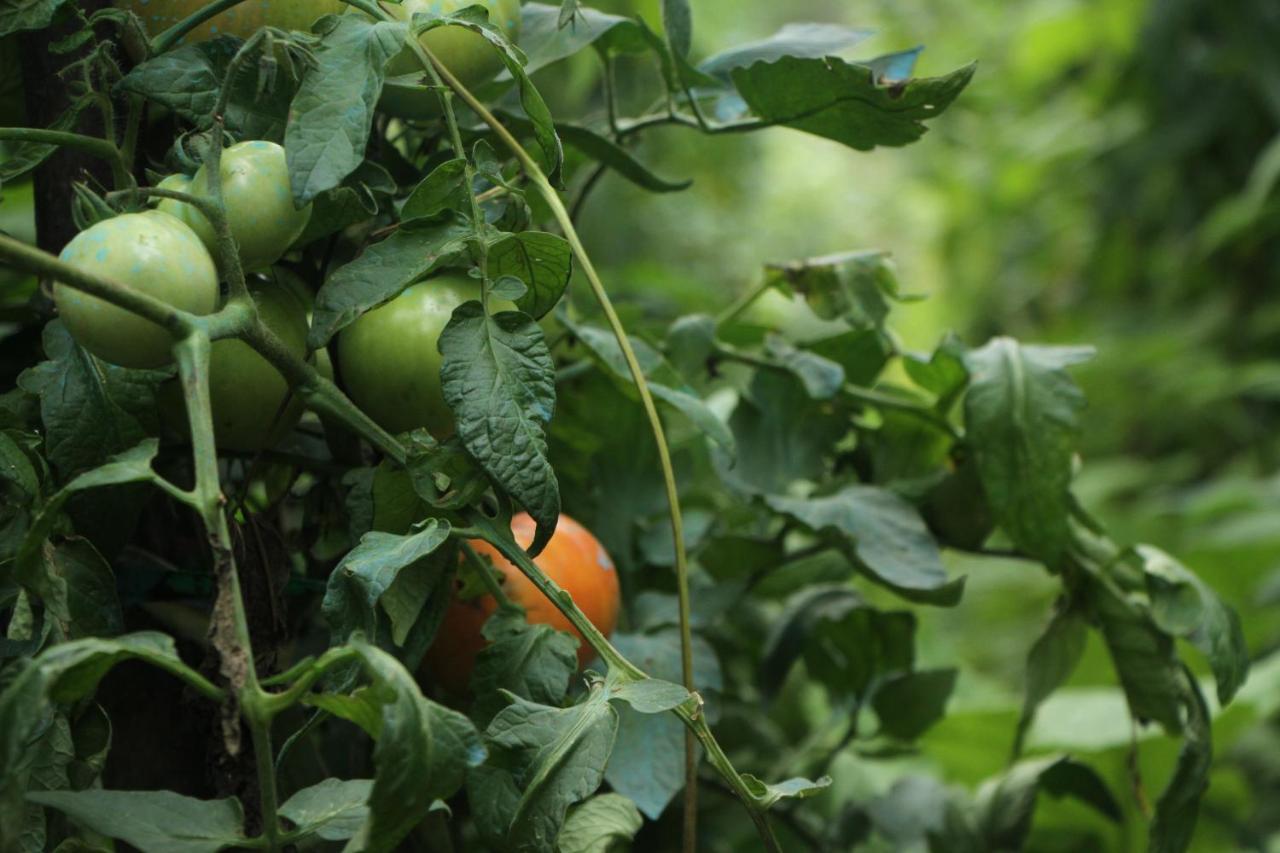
543,262
534,662
332,114
445,187
604,823
499,380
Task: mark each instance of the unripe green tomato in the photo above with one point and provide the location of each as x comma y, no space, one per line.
246,392
151,252
390,357
242,20
258,200
466,53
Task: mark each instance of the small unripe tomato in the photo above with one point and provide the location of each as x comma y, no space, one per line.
251,403
390,357
242,20
150,252
258,199
466,53
574,559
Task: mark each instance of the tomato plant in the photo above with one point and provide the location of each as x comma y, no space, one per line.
390,358
152,253
255,188
790,511
573,558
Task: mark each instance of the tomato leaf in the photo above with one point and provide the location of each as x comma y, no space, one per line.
369,574
1050,663
534,662
423,753
541,761
603,823
886,535
909,703
545,40
794,39
767,794
849,103
1022,414
1179,804
1005,805
27,15
332,810
161,821
385,269
445,187
499,380
332,114
541,261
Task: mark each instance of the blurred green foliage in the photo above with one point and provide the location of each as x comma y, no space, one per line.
1109,178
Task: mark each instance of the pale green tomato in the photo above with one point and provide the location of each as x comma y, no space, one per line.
390,357
467,54
247,394
259,203
242,20
151,252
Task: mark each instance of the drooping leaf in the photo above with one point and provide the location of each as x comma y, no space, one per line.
499,380
845,102
1006,804
908,704
542,760
422,754
541,261
885,533
534,662
1022,413
856,286
332,114
159,821
1179,804
1050,663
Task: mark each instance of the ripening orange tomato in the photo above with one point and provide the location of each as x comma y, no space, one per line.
573,558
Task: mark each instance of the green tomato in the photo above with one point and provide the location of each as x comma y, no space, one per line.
258,199
242,20
151,252
251,404
390,357
466,53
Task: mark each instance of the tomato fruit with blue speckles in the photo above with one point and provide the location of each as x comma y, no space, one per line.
573,558
464,52
150,252
390,357
242,20
258,200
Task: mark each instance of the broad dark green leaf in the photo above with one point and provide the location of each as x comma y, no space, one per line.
910,703
885,533
332,114
1185,606
542,760
356,199
189,79
382,271
155,821
604,823
648,758
943,372
90,409
423,754
1050,662
821,377
794,39
19,15
541,261
79,589
845,102
332,810
1022,414
499,380
534,662
443,188
370,571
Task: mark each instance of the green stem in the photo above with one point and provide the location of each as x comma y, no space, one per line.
174,34
742,303
689,712
273,703
486,576
104,149
263,755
